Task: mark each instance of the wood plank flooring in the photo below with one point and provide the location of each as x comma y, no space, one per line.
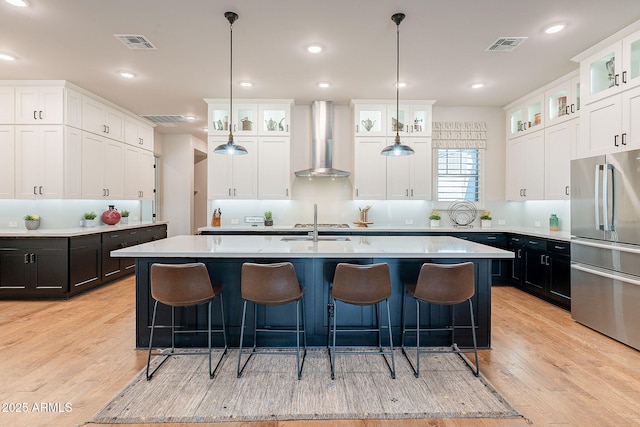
80,352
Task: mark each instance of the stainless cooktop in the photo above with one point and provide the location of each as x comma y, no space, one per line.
322,226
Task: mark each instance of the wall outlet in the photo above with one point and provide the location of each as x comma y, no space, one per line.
252,219
501,222
13,224
537,223
408,222
234,220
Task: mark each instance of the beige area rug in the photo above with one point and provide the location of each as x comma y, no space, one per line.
181,391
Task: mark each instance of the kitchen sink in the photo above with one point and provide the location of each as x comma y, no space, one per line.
310,238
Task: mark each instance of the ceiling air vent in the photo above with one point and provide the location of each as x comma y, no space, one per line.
166,118
135,41
505,44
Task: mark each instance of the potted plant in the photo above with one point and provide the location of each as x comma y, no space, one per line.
124,217
485,219
434,217
268,218
90,219
32,222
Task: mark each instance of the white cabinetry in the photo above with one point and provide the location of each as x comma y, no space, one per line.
138,134
102,167
409,177
138,173
233,177
378,177
7,161
274,168
39,105
560,144
525,167
7,105
39,155
370,168
563,101
526,117
72,171
101,119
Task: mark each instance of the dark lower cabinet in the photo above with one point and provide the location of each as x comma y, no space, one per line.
500,268
36,267
542,267
61,267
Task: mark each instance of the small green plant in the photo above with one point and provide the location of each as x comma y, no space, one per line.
90,215
32,217
268,216
125,213
486,215
434,215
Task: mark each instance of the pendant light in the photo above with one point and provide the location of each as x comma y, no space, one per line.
397,149
229,148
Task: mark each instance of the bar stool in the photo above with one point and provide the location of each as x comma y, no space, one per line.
446,285
361,285
272,285
183,285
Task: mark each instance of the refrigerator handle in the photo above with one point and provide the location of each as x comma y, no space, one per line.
608,201
596,192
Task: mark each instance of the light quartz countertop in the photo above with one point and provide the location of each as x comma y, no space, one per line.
267,246
529,231
74,231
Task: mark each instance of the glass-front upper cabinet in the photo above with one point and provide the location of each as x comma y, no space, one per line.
369,118
275,119
526,117
563,101
242,122
410,120
611,70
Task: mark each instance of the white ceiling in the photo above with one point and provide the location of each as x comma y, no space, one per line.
442,48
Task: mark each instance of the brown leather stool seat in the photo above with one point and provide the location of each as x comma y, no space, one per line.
183,285
272,285
446,285
361,285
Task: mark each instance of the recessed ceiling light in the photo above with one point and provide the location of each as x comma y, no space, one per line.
555,28
314,48
189,118
400,85
246,83
323,85
477,85
19,3
6,57
126,74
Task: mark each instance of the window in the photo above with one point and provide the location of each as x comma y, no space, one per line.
458,174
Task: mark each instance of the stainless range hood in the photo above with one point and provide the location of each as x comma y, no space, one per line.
322,142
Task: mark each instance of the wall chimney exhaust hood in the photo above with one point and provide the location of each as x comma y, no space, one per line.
322,142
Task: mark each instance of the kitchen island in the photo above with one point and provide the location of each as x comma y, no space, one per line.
315,263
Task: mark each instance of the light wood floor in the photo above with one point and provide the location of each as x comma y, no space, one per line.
81,352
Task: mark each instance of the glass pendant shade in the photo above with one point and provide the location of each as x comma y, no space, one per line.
397,148
229,148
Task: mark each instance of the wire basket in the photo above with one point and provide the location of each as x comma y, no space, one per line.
462,213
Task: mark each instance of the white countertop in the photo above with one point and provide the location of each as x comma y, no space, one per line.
266,246
73,231
530,231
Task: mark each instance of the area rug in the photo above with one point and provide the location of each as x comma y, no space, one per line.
181,391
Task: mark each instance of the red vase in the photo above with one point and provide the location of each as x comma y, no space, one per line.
111,216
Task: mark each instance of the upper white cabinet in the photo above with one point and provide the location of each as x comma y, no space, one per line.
138,134
380,118
7,161
563,101
39,156
39,105
274,119
525,167
102,167
101,119
526,117
233,177
612,69
7,105
274,168
369,168
268,117
409,177
138,173
560,143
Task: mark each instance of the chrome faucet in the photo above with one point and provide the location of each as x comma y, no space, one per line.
315,222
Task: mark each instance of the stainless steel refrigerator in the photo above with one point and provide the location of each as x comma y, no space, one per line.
605,244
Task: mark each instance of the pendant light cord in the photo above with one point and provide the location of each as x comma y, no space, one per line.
397,81
231,82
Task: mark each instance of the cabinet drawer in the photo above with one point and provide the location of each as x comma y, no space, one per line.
558,247
534,243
